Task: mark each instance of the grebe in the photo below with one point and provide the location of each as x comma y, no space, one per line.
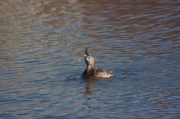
90,71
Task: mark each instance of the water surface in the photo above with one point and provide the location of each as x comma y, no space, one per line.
41,59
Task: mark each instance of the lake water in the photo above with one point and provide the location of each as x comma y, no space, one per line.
42,57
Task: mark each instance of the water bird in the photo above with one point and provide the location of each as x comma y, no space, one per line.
90,71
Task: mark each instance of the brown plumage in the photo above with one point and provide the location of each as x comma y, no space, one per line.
90,71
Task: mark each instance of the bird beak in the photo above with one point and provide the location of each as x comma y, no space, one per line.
86,51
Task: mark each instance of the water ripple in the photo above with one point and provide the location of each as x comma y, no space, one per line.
41,59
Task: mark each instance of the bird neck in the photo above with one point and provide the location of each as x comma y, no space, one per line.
90,69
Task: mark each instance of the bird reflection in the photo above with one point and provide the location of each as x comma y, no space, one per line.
89,87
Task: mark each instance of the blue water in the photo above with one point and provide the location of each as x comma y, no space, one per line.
42,57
